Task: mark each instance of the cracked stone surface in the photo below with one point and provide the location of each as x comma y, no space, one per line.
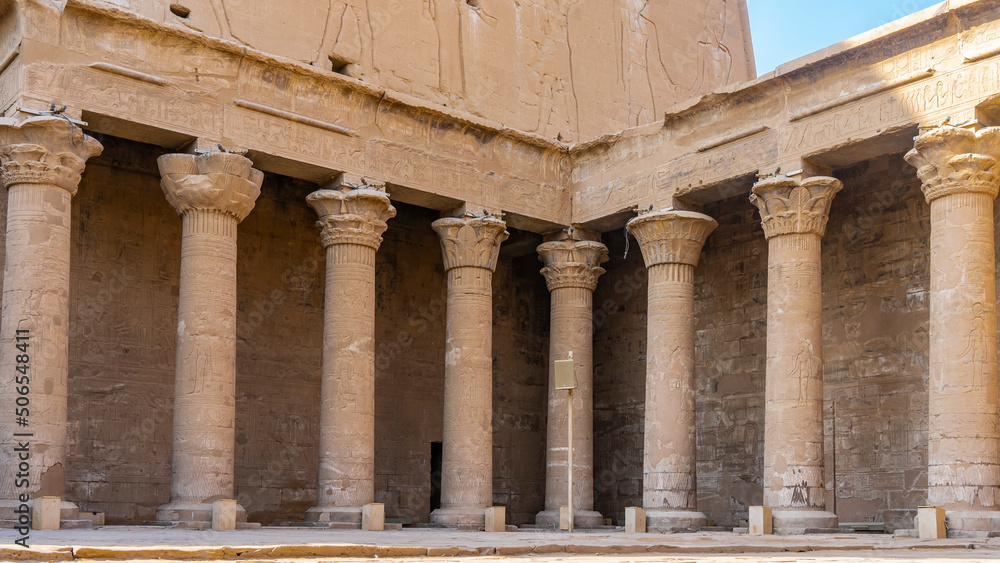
41,160
671,243
961,177
212,193
457,52
352,220
572,267
470,247
794,215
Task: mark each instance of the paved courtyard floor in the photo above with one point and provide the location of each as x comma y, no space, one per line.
139,543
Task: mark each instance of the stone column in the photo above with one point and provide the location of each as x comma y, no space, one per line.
212,193
960,175
572,260
794,215
352,219
470,246
671,243
41,160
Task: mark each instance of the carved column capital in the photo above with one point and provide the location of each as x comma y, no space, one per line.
471,241
216,181
44,150
788,206
352,215
572,258
671,237
953,160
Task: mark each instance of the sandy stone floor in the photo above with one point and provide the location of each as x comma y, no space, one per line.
818,557
290,544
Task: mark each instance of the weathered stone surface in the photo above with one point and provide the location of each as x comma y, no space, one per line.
224,514
41,160
352,220
961,177
794,215
620,307
470,247
671,243
854,101
122,300
875,279
212,193
491,126
573,261
875,289
533,66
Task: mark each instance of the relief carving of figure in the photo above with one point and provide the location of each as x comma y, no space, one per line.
715,62
978,345
802,371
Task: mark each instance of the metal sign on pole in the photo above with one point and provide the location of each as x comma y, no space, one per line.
565,380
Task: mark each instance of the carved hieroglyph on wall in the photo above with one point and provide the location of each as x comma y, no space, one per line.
570,69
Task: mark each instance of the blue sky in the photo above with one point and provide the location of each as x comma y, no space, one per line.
784,30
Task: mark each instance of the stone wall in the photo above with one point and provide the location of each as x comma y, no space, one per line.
876,274
569,69
730,352
279,328
875,279
123,302
619,378
520,385
124,288
409,362
123,325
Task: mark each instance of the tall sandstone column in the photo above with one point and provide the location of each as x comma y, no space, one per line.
572,260
794,216
671,243
960,173
212,193
470,246
41,160
352,220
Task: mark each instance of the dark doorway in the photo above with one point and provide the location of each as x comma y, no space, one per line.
435,475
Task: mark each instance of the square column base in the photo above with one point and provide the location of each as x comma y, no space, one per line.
789,521
193,512
454,517
671,521
972,523
581,519
334,514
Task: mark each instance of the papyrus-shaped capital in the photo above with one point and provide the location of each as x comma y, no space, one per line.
572,258
215,181
352,215
471,242
952,160
44,150
671,237
788,206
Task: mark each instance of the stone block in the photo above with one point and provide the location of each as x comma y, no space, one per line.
97,518
930,522
760,520
373,517
224,514
564,517
635,520
45,513
496,519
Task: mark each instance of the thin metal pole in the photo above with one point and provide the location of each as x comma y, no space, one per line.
569,458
